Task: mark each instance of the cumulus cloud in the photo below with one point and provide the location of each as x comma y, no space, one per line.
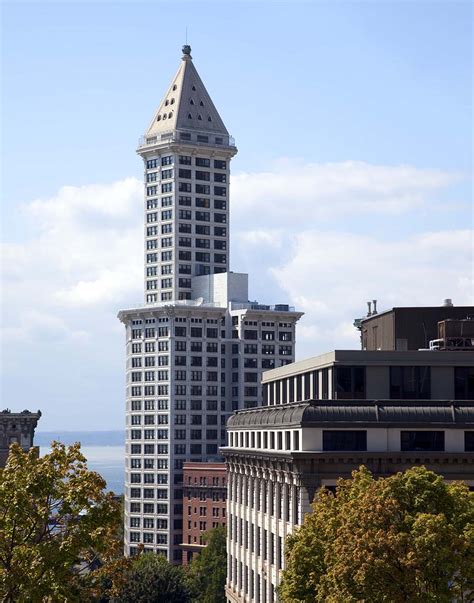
330,275
295,192
84,251
82,260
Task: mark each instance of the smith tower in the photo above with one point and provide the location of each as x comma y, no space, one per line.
186,152
197,348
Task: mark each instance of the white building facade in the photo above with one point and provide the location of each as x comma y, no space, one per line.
322,418
197,348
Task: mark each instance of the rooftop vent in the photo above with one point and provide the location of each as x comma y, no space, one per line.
448,302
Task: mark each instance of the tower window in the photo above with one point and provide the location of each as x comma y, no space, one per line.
158,118
174,87
164,116
170,115
191,101
200,117
209,118
172,101
190,116
167,102
194,88
201,104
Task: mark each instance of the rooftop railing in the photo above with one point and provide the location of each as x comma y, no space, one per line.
257,306
184,136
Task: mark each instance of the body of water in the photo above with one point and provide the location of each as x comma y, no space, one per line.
109,461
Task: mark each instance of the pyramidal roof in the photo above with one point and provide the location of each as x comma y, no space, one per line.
186,104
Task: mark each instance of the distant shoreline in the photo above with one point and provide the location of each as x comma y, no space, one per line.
86,438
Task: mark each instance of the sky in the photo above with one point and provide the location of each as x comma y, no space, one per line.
353,122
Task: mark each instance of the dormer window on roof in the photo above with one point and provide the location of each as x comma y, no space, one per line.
200,117
170,115
191,101
158,118
164,116
209,118
201,104
172,101
174,87
194,88
190,116
167,102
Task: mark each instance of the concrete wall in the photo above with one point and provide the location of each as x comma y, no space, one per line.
221,288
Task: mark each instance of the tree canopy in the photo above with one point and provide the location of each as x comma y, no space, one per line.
152,579
56,522
208,570
405,538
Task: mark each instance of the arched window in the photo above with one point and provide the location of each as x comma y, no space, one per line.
158,118
170,115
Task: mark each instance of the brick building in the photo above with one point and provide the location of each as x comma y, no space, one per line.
204,503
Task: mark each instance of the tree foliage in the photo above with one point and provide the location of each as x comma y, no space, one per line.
56,522
208,570
405,538
152,579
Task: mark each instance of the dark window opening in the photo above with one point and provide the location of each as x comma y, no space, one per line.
410,383
344,440
349,382
422,440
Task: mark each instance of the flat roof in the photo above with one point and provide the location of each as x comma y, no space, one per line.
411,308
372,358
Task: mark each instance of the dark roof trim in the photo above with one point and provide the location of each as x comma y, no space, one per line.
356,412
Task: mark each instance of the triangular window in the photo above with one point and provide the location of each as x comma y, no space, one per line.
194,88
190,116
191,102
200,118
209,118
201,104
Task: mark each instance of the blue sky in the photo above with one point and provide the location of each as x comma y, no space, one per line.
361,111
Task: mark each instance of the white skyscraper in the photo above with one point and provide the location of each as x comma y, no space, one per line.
197,348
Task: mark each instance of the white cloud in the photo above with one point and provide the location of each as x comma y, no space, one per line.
298,193
85,250
331,275
82,260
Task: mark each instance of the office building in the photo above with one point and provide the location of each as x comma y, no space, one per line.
197,348
325,417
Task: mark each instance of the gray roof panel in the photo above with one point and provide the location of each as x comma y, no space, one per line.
321,412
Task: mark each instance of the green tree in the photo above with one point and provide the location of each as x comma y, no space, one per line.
56,523
152,579
405,538
208,570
